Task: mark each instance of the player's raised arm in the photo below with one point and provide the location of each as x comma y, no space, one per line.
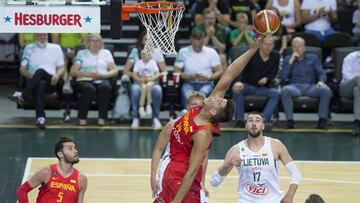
162,141
234,70
232,159
41,176
290,166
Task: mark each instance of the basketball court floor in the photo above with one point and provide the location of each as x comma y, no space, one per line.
117,162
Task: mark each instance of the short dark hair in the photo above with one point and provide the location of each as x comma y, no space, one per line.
256,113
314,198
197,34
60,145
224,114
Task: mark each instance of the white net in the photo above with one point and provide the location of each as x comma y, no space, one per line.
162,26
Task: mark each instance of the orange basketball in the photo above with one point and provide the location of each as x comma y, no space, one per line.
266,22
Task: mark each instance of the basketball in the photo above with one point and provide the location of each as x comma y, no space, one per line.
266,22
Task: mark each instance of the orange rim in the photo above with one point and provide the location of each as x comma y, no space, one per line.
149,8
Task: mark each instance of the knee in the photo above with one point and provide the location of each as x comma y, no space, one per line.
135,89
286,91
325,91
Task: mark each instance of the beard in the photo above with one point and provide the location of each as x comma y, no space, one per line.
254,133
41,44
70,160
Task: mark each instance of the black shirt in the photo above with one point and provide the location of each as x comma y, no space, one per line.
221,5
257,69
241,6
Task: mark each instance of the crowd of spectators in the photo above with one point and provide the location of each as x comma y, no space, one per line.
217,27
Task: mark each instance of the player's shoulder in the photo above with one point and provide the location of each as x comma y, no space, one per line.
44,171
276,143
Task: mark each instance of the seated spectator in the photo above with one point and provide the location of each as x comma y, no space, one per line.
221,9
318,16
256,80
199,66
350,85
215,34
356,21
135,89
241,6
289,11
42,64
93,67
147,74
314,198
306,78
242,36
68,43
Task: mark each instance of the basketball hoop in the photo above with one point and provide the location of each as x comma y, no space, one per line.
161,20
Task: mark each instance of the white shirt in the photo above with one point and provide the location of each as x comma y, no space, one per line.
48,58
355,20
149,69
94,63
288,12
350,68
197,62
323,23
258,175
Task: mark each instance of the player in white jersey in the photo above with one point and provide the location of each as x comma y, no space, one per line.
256,159
194,99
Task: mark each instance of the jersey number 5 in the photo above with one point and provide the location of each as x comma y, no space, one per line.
60,197
256,176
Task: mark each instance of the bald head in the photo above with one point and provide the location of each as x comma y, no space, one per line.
298,46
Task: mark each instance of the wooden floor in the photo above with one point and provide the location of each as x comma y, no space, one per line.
127,180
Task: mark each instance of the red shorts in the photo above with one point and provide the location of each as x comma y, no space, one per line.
173,176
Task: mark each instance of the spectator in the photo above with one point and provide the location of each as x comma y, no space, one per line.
147,73
135,90
306,78
215,34
317,15
199,66
256,80
356,21
42,64
289,11
241,6
221,9
314,198
93,67
350,85
242,36
68,43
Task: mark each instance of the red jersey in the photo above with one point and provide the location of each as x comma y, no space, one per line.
59,189
180,150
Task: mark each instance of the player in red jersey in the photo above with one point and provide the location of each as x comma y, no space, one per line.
59,182
191,136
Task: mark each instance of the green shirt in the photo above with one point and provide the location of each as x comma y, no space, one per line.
235,33
70,40
28,38
220,32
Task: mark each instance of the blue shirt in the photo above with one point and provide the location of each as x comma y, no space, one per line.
307,71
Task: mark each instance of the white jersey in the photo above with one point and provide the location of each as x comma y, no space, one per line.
163,164
258,175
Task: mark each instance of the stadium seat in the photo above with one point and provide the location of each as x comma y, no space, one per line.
337,39
310,39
